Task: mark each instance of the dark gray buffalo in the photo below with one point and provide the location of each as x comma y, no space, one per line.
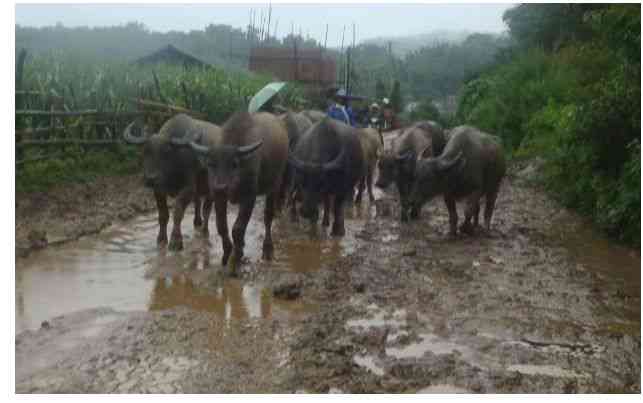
398,163
471,166
249,161
329,162
296,125
171,168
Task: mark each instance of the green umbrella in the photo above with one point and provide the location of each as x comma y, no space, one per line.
264,95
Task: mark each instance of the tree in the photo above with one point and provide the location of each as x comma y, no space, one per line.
548,25
396,97
380,90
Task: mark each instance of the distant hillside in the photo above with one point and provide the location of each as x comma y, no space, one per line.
401,45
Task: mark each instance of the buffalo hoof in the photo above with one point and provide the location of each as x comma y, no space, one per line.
268,251
236,260
176,243
161,240
325,222
415,215
467,228
338,231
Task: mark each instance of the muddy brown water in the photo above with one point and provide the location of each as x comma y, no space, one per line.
122,268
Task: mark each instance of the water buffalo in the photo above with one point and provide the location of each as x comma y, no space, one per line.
296,124
171,168
398,163
372,148
314,115
249,161
471,166
329,162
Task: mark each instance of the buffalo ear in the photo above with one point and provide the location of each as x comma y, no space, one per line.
456,162
245,151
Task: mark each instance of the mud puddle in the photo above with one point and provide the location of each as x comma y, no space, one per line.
122,268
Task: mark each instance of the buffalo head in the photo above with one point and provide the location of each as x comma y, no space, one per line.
164,159
226,166
315,180
433,175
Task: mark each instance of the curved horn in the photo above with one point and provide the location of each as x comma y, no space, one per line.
245,150
445,165
199,148
336,163
301,165
129,138
194,135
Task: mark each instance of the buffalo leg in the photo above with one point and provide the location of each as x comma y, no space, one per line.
476,215
360,190
473,204
489,205
293,205
453,215
268,214
164,217
326,219
182,201
207,209
338,211
198,221
239,230
404,203
414,212
369,184
221,210
284,190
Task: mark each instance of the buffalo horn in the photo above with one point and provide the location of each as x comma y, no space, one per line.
245,150
129,138
336,163
302,166
199,148
445,165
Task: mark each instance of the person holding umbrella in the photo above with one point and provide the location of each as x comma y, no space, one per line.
340,109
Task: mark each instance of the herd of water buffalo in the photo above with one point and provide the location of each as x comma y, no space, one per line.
301,160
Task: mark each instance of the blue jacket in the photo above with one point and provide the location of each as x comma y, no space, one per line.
336,111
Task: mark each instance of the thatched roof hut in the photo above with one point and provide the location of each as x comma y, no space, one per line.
171,55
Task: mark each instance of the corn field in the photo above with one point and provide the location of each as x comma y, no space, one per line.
59,97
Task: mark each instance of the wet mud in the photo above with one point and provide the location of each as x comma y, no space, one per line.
542,304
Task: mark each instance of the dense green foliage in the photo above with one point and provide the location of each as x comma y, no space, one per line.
426,110
112,87
571,96
435,71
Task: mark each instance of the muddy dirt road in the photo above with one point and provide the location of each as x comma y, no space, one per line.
543,304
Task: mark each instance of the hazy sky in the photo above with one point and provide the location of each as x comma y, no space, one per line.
370,20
